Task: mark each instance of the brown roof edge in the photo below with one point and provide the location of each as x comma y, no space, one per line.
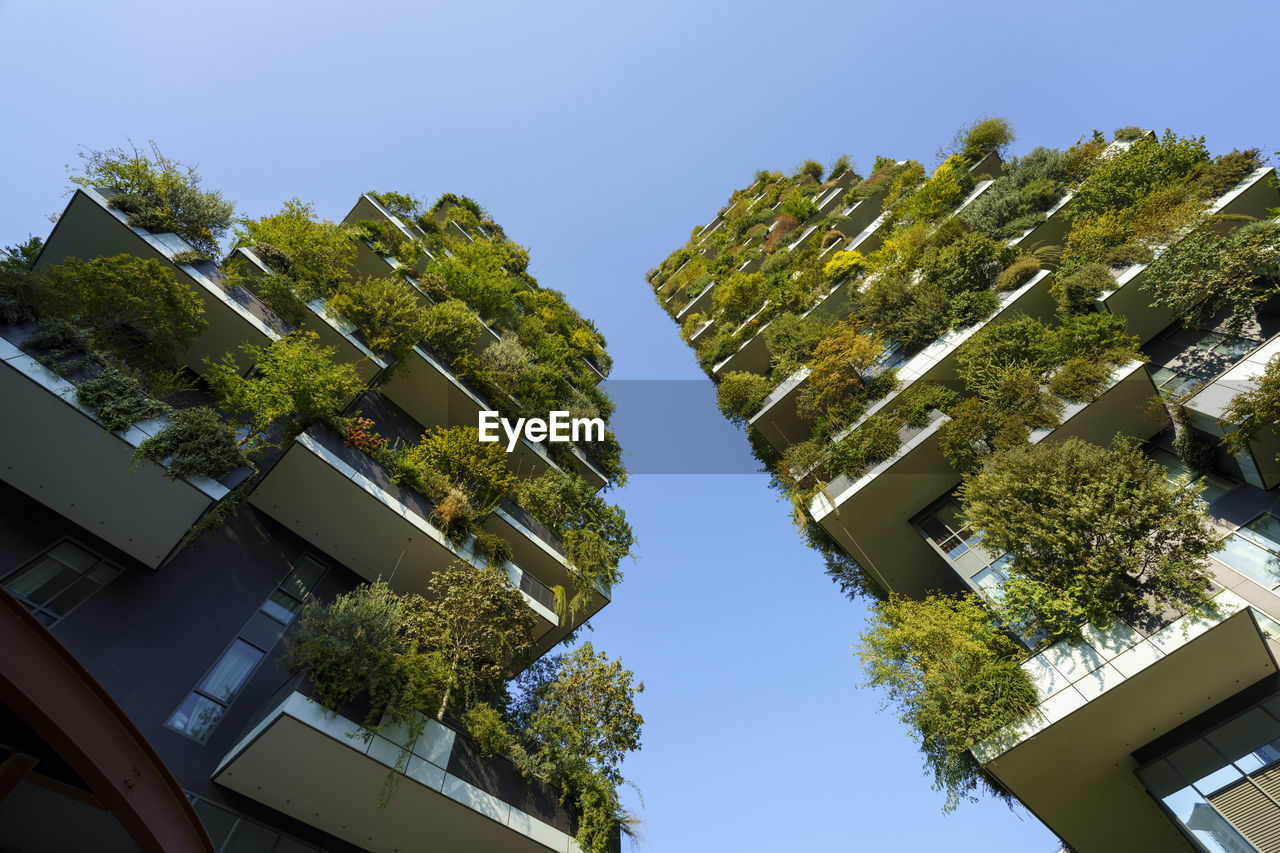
53,693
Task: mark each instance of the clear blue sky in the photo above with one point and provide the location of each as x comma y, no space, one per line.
599,134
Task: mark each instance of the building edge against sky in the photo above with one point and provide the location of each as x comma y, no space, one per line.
1156,733
159,595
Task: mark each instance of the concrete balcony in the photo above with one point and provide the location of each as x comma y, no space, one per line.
89,228
870,514
346,504
321,768
779,421
334,331
429,391
1103,699
1259,466
1252,197
65,459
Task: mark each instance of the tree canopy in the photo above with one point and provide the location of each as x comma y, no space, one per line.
1095,533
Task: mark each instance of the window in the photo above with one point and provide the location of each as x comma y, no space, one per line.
55,582
1218,785
232,833
946,528
202,710
1215,485
286,602
1254,551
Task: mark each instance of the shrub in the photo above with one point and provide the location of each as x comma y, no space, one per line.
840,166
118,398
159,194
1095,532
983,137
1208,272
972,306
495,550
295,380
17,288
782,228
313,254
1018,273
740,394
810,170
386,311
118,299
738,296
476,469
1128,134
837,384
954,678
451,329
844,265
196,443
1076,292
799,207
487,729
875,440
792,339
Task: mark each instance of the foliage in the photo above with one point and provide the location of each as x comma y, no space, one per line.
295,380
17,288
1030,186
792,339
118,299
1076,292
944,190
838,379
1253,410
1018,273
840,166
488,729
579,721
158,194
415,655
474,471
953,676
1209,271
985,136
385,311
738,296
740,394
195,443
596,534
312,254
450,329
1141,196
810,170
1095,532
844,265
118,398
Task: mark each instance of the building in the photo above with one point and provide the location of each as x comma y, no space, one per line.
143,702
1152,736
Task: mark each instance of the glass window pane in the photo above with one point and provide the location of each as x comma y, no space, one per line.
1172,465
1161,779
231,671
282,606
1265,531
1215,486
1197,760
73,555
1234,348
197,716
251,838
218,822
41,580
76,593
1251,561
303,577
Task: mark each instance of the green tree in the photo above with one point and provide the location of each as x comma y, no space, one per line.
120,298
1252,410
1095,532
1209,271
294,380
385,311
578,724
158,193
312,254
17,288
838,379
481,628
953,676
740,394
